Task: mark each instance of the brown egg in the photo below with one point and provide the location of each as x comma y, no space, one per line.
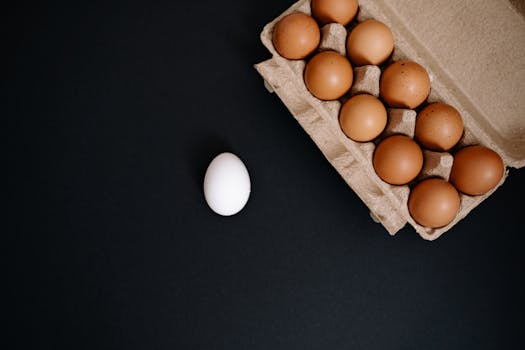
334,11
363,117
328,75
370,42
476,170
404,84
433,203
296,36
398,159
438,127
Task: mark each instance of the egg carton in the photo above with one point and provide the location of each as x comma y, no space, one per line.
353,160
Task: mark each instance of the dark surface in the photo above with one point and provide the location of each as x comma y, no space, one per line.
113,113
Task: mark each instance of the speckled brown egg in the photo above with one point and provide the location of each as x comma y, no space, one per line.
363,117
438,127
398,159
328,75
334,11
370,42
476,170
404,84
433,203
296,36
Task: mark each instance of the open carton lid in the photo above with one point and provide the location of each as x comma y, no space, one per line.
476,50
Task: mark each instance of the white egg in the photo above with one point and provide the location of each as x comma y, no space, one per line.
226,184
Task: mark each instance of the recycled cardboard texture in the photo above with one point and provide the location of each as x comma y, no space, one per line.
474,52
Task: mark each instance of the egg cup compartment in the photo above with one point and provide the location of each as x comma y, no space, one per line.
353,160
366,81
436,164
331,38
400,121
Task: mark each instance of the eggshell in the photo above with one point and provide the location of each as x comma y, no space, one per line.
334,11
227,184
328,75
434,203
296,36
370,42
438,127
398,159
404,84
363,117
476,170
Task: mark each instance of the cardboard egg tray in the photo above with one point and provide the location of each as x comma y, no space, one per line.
482,77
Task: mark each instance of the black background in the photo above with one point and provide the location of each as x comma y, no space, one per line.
114,111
